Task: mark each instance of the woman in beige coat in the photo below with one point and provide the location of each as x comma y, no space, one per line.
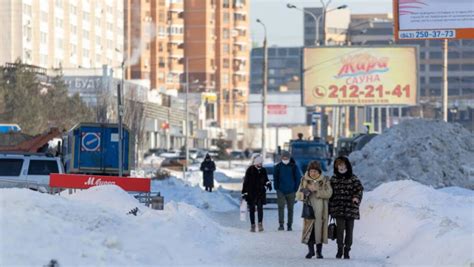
315,189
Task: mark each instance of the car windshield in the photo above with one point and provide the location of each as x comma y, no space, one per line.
308,151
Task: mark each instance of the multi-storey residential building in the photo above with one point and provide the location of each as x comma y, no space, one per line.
217,50
62,33
206,39
154,43
284,69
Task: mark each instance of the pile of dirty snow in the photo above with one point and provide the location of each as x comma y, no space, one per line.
433,153
407,223
92,228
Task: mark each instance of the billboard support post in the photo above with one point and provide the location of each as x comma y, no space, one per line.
445,80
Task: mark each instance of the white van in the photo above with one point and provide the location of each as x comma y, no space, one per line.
28,170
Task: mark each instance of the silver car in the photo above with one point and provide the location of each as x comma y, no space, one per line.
28,170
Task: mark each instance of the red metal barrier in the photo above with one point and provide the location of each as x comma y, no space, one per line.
79,181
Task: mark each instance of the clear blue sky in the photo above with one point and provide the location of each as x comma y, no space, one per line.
285,26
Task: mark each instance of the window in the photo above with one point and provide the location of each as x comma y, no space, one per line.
44,17
74,29
43,38
85,34
225,78
85,16
226,17
10,167
225,4
226,63
226,48
42,167
225,33
59,23
85,53
73,10
59,43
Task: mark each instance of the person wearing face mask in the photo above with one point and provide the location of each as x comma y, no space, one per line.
315,190
344,204
253,190
208,167
286,180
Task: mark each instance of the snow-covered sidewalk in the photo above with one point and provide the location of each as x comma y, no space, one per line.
403,223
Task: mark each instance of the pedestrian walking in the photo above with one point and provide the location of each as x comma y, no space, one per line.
253,190
286,180
208,167
344,204
315,191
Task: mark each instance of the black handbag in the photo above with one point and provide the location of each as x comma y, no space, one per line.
332,230
308,212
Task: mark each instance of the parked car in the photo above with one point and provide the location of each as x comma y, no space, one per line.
28,170
272,195
237,154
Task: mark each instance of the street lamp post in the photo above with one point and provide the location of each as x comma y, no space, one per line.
317,19
264,89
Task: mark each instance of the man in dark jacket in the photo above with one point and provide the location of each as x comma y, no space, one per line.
253,191
208,167
286,180
344,203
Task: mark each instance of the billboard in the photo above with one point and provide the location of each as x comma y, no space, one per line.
283,109
358,76
434,19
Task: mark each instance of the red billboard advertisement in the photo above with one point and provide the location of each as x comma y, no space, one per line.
79,181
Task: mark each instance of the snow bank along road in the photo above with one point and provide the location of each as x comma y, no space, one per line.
402,223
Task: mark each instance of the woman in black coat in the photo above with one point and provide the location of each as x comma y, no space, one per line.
208,167
253,191
344,203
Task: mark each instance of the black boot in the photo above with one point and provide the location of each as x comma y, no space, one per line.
339,253
346,253
281,228
319,248
310,250
289,227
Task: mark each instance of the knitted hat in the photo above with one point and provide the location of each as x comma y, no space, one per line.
257,160
285,154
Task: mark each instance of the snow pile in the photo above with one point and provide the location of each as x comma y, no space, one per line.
407,223
92,228
431,152
174,189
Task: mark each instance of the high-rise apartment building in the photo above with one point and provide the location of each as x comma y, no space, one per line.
203,44
217,49
154,42
62,33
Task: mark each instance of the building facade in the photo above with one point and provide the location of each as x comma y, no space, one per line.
154,42
62,33
202,45
377,29
337,22
284,69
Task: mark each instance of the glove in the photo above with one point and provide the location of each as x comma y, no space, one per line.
269,187
306,192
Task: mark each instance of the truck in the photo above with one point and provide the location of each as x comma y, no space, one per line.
305,151
92,148
345,146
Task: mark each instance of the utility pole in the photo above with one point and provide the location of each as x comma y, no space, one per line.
264,89
445,80
120,126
